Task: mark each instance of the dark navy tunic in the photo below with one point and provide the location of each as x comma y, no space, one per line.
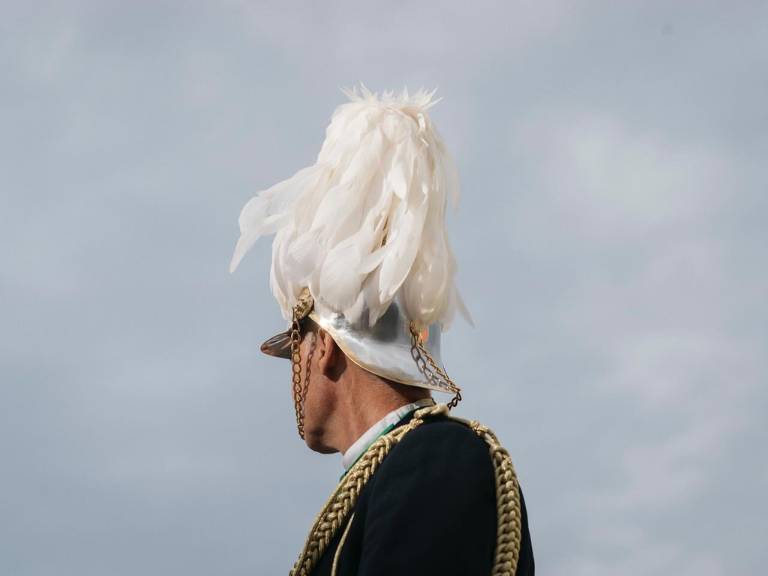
430,508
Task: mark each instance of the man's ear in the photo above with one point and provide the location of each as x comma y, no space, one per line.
327,353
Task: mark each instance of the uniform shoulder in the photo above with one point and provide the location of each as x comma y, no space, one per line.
443,445
430,507
444,431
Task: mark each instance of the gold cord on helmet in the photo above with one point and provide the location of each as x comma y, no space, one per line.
432,372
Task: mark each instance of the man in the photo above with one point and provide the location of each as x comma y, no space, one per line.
362,269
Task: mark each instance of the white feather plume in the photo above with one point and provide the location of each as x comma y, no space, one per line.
366,223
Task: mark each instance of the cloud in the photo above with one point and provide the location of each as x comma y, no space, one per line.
351,31
610,244
626,221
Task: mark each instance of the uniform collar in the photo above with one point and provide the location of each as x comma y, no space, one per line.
362,444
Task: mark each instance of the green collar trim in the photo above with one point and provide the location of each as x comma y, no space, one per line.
383,432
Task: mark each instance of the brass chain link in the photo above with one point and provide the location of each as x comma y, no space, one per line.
301,310
434,374
296,373
312,343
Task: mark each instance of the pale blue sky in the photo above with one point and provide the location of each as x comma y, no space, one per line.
610,243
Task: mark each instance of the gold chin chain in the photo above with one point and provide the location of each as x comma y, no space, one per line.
427,365
300,311
299,391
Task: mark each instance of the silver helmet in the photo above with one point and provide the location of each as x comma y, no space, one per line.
391,348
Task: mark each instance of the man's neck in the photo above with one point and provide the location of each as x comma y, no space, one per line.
367,402
382,426
358,417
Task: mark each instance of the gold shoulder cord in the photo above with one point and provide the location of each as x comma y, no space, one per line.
337,509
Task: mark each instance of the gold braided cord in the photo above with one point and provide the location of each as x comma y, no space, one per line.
344,497
509,530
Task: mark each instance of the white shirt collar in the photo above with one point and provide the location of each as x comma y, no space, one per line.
369,436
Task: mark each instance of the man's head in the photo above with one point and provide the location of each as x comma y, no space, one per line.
338,396
361,248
